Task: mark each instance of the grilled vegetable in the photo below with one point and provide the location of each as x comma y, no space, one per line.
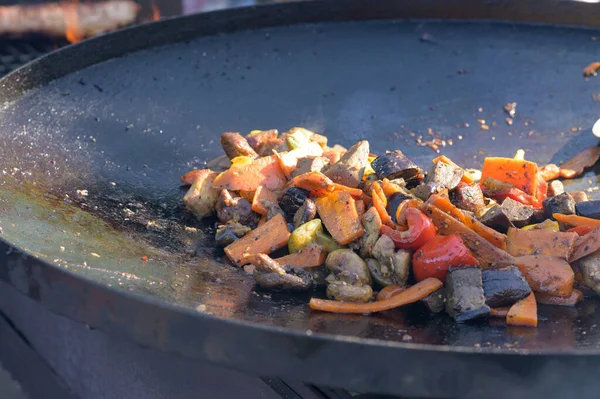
235,145
587,244
262,195
504,287
263,141
420,230
304,235
228,233
435,302
495,218
589,267
555,188
393,165
546,274
271,275
341,291
518,214
394,203
540,242
389,291
348,262
579,196
201,197
310,164
523,313
237,209
468,197
439,254
292,199
265,171
575,166
425,190
305,213
339,215
464,294
589,209
444,175
547,299
372,225
521,174
562,203
390,269
349,170
311,256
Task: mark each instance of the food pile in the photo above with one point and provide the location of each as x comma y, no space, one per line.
378,232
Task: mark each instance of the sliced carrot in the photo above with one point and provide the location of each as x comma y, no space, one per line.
410,295
248,195
484,251
444,204
263,194
360,207
264,171
547,299
540,242
338,212
549,172
499,312
575,220
523,313
311,256
289,160
379,205
265,239
586,245
465,179
390,291
522,174
581,230
389,188
575,166
546,274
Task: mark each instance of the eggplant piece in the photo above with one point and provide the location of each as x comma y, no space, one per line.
425,190
495,218
271,275
310,164
306,213
237,209
236,145
555,188
579,196
341,291
589,209
291,200
349,170
228,233
589,267
464,294
562,203
394,165
518,214
504,287
444,175
468,197
394,202
435,302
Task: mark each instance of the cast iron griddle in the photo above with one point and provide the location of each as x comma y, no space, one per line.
125,124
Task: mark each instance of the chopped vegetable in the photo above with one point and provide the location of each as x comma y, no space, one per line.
265,239
575,166
464,294
390,291
546,274
311,256
540,242
590,209
549,172
410,295
263,194
547,299
360,207
379,204
304,235
264,171
574,220
420,231
581,230
546,225
517,195
522,174
236,145
350,168
466,178
289,160
201,197
504,286
586,245
523,313
499,312
338,212
394,164
312,181
439,254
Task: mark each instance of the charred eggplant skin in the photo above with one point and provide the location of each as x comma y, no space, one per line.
393,165
504,287
394,202
562,203
464,293
589,209
292,199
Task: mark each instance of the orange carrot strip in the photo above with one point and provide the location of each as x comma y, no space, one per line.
389,188
265,239
263,194
499,312
575,166
411,295
379,205
575,220
522,174
523,313
338,212
442,158
547,299
311,256
264,171
546,274
484,251
540,242
444,204
390,291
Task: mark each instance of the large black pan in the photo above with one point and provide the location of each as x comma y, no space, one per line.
123,116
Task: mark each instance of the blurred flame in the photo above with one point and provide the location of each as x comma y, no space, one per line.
71,15
155,11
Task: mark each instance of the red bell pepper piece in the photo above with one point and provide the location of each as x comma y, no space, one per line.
420,230
517,195
542,191
581,230
438,255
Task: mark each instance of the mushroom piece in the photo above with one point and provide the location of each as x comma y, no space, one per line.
341,291
348,262
235,208
371,222
229,232
394,272
590,271
263,141
271,275
306,213
236,145
202,197
349,170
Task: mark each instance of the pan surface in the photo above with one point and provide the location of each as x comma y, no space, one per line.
95,137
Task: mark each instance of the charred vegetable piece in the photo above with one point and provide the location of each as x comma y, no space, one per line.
468,197
420,230
589,268
235,145
305,235
372,225
312,256
349,170
350,264
504,287
575,166
435,302
263,141
495,218
201,197
425,190
394,201
248,176
540,242
306,213
579,196
271,275
555,188
338,212
521,174
444,175
589,209
310,164
380,274
586,244
394,165
292,199
228,233
392,270
518,214
523,313
439,254
464,294
237,209
546,225
546,274
546,299
562,203
341,291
